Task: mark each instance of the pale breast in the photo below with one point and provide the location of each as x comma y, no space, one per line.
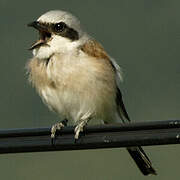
75,85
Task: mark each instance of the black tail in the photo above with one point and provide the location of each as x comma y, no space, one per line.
141,159
137,153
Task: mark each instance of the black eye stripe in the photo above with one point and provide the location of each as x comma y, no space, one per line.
70,33
65,31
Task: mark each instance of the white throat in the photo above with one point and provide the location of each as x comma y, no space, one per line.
57,44
60,45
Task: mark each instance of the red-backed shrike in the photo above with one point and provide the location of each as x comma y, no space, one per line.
76,78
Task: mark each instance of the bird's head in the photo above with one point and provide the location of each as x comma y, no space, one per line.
59,32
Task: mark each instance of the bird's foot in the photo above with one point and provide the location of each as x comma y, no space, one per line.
58,126
79,128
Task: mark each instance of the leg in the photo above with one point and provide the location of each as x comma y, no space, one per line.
58,126
80,127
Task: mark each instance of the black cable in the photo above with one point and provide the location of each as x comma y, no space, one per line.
104,136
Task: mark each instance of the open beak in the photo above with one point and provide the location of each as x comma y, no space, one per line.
44,34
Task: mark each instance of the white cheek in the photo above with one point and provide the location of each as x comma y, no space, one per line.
62,45
58,44
43,52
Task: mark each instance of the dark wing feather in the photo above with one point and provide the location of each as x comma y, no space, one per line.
120,107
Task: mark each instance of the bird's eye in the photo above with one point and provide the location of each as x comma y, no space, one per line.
59,27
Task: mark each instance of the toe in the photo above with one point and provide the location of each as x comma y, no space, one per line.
77,131
52,135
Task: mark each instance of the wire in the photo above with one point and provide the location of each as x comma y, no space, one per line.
93,137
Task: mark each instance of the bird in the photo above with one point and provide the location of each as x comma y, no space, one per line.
77,79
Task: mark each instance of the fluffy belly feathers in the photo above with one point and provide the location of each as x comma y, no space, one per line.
77,89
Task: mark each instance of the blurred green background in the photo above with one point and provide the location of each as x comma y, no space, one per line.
143,36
